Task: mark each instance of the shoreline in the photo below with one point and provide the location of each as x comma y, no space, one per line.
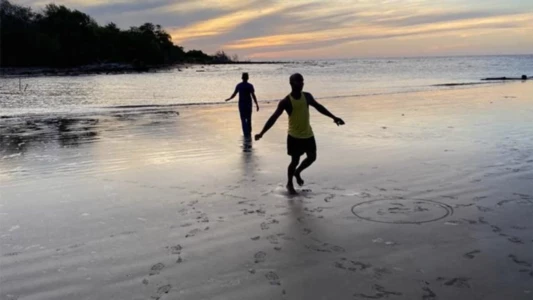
134,109
114,69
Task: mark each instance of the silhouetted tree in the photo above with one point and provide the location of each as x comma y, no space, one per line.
61,37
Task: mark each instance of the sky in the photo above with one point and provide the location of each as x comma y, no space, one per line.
327,29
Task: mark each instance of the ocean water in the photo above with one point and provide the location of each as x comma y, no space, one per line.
325,79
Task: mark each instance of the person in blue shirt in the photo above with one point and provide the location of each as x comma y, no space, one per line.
246,93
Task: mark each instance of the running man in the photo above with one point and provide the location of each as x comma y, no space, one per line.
246,93
300,138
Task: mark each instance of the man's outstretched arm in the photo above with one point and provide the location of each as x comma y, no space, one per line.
234,94
321,109
272,120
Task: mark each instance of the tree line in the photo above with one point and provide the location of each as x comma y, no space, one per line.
60,37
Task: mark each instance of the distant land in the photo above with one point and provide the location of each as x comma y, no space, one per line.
62,41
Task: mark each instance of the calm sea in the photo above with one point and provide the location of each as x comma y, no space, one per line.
326,79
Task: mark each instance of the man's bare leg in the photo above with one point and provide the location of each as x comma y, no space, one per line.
309,160
295,160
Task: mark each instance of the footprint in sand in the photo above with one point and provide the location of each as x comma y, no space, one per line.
329,198
156,269
500,203
519,262
273,239
429,294
471,222
260,257
317,248
307,231
495,228
161,291
273,278
337,249
247,211
325,247
515,240
193,232
379,272
380,292
470,255
524,196
76,246
255,238
484,209
460,282
351,265
266,225
175,249
462,205
202,218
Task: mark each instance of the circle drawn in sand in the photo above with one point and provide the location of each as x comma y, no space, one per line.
413,211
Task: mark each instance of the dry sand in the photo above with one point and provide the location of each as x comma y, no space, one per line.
420,196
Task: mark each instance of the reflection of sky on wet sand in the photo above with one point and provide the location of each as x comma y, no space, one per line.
115,203
210,137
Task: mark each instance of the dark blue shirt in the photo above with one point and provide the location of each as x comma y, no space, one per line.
245,90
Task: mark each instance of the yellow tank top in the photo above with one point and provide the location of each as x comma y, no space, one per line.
299,120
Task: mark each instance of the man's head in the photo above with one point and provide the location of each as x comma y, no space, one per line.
245,77
297,82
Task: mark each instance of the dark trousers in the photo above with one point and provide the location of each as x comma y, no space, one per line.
246,120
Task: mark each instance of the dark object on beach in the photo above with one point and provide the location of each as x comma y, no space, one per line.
524,77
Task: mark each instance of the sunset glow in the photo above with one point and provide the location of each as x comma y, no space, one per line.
329,29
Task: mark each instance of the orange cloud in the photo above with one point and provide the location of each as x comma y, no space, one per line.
222,24
362,31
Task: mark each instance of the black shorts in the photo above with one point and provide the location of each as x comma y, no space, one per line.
296,146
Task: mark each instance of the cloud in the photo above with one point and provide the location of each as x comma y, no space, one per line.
265,28
225,23
359,32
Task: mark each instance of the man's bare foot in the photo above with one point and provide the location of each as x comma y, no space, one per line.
299,179
291,190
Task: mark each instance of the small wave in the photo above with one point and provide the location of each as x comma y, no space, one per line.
460,83
141,106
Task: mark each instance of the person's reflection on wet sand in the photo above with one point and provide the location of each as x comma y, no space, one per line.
248,159
246,145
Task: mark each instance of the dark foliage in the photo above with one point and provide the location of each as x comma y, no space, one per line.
61,37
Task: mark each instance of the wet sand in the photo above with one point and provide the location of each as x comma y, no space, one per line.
420,196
